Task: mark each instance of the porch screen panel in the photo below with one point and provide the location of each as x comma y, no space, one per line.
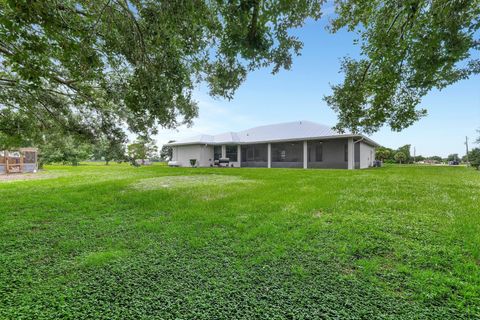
254,155
326,154
232,153
315,151
287,154
217,152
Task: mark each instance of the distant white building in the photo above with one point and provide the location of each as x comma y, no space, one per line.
300,144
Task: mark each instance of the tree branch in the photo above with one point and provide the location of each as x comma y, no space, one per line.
388,31
253,23
124,6
5,51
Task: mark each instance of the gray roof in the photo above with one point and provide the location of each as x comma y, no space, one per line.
289,131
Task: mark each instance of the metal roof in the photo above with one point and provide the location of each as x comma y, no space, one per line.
289,131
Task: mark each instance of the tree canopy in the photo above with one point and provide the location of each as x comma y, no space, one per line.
64,149
400,157
110,149
453,157
383,153
474,158
166,153
91,66
408,48
96,67
141,149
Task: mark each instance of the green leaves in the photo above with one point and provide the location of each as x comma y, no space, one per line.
408,48
80,65
110,62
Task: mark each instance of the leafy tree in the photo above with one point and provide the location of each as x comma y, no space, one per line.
64,149
420,158
400,157
108,149
382,153
435,158
408,48
16,130
166,153
406,151
143,148
89,66
453,157
474,158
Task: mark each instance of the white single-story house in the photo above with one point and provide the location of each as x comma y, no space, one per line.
299,144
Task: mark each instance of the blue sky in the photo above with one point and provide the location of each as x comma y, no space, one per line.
296,94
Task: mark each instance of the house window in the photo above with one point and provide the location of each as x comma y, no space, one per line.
217,152
232,153
315,151
346,152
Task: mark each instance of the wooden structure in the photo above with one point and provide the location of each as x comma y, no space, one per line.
19,161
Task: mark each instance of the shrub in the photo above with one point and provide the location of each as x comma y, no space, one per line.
474,158
193,162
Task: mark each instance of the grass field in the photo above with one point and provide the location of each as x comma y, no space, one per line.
119,242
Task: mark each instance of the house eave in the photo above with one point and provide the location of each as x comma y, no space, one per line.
343,136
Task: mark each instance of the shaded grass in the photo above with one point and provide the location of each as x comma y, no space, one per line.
113,242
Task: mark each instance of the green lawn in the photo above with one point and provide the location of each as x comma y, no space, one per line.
120,242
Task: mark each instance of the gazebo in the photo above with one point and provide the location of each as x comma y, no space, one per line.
21,160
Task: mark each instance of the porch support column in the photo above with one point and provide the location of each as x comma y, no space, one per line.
269,155
305,155
239,155
224,151
351,154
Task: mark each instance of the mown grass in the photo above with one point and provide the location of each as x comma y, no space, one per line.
119,242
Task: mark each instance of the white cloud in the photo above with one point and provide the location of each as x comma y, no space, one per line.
213,118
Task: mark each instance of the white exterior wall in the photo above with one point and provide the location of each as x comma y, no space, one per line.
203,154
367,155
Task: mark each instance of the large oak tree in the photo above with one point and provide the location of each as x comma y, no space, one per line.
95,67
408,48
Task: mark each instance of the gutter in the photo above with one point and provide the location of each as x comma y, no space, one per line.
362,138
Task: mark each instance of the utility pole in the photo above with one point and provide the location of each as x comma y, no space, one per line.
466,146
414,154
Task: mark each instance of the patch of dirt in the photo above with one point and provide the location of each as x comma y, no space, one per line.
170,182
24,176
318,214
